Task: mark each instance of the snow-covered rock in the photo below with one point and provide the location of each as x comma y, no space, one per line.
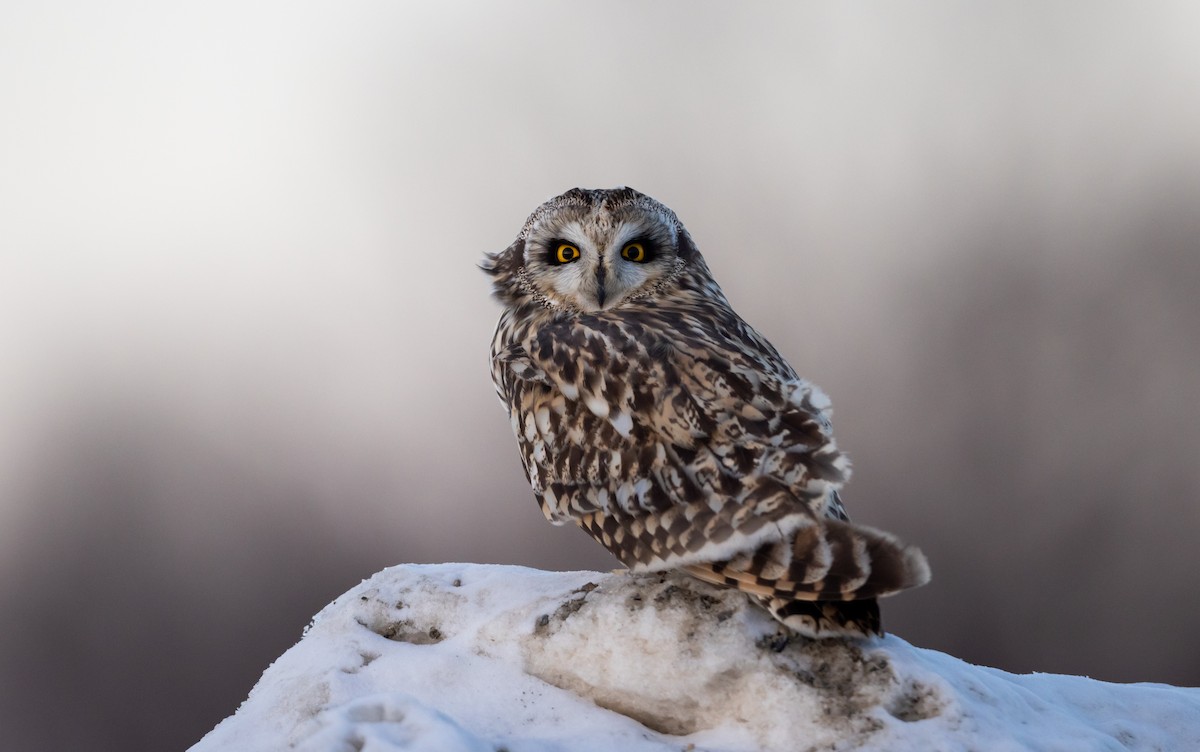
477,658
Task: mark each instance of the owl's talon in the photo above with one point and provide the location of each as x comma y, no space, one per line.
781,640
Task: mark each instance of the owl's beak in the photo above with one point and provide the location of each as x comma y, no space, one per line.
600,273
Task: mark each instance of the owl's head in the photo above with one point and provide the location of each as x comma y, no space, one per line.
593,250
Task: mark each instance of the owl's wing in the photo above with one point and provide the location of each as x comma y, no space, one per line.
696,446
676,411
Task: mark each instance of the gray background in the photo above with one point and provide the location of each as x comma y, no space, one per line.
244,342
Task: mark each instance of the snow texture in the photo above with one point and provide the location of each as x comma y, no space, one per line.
478,658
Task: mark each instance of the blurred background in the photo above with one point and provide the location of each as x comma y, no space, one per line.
243,341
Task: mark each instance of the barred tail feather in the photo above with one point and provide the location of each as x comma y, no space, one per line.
825,578
828,561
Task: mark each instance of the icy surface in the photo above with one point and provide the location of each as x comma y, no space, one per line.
477,658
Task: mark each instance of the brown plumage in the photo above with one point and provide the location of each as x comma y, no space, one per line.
652,416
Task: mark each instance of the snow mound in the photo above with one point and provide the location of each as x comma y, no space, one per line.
479,658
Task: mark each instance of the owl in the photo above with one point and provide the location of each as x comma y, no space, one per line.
652,416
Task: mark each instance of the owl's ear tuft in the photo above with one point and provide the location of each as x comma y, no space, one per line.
503,267
687,248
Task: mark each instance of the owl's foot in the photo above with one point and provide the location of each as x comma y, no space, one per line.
780,641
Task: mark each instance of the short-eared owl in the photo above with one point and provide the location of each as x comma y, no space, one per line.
652,416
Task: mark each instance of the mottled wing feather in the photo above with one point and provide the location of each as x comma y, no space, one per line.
678,437
516,361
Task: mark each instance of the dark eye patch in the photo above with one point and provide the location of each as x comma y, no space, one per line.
559,251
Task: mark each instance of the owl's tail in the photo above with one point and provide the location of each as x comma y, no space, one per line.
824,579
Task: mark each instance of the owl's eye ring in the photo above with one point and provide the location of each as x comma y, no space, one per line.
635,252
564,253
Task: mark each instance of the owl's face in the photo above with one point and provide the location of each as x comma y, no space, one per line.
593,250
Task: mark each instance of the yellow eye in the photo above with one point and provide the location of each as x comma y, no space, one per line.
565,253
634,252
